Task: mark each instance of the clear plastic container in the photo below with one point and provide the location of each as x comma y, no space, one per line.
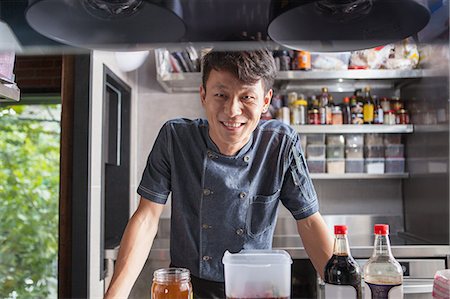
336,166
354,152
335,139
374,151
316,166
394,151
392,139
315,139
315,151
354,139
373,139
354,165
335,151
374,165
395,165
257,274
303,141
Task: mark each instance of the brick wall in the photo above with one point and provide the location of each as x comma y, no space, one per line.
38,74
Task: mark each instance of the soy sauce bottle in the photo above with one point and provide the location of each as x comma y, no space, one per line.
342,272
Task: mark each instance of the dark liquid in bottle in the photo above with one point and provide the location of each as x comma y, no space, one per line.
342,270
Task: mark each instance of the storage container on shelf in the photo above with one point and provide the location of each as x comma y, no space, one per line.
354,152
373,139
395,165
374,165
354,165
354,139
315,139
374,151
336,166
335,151
394,151
315,151
316,165
392,139
334,139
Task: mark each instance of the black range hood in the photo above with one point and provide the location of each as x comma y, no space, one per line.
325,25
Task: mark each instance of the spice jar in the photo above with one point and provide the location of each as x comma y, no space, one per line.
385,104
396,104
171,283
337,116
314,116
402,117
389,117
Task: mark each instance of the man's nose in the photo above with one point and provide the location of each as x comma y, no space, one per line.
233,107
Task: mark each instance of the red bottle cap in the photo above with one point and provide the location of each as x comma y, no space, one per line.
381,229
340,229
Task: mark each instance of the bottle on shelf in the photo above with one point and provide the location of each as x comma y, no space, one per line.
356,106
323,102
346,112
368,108
383,275
378,113
313,112
342,273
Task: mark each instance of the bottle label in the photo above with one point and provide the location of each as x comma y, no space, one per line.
383,291
333,291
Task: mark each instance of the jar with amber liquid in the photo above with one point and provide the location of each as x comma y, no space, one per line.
171,283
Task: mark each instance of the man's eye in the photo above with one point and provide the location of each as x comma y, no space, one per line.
248,98
219,95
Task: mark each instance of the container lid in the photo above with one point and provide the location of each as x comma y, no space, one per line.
381,229
257,257
340,229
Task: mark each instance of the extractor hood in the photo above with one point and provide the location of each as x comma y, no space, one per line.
131,25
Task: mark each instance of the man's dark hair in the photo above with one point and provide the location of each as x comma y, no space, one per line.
248,66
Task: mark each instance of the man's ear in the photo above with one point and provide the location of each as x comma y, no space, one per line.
267,99
202,95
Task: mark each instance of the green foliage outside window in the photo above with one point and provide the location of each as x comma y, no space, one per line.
29,192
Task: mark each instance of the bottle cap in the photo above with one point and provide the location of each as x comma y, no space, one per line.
381,229
340,229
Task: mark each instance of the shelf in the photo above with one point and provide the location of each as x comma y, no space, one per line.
9,93
352,176
340,129
190,82
432,128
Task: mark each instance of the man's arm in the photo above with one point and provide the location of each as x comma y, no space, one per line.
317,240
134,248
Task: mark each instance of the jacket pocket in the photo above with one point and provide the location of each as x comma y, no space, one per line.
262,213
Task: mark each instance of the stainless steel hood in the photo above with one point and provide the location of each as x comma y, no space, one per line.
143,24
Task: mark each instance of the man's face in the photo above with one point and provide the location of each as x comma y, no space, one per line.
233,109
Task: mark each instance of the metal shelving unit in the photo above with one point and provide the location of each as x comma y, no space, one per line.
352,176
341,129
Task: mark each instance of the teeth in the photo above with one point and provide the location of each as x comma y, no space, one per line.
233,125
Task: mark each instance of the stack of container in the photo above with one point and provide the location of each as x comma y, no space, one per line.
335,154
354,150
394,153
315,153
374,153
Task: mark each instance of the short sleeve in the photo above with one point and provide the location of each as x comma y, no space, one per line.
155,183
297,193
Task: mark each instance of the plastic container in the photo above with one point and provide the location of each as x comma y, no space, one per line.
335,151
392,139
354,139
316,166
257,274
395,165
335,140
394,151
374,165
356,152
315,139
374,151
330,61
315,151
373,139
336,166
354,165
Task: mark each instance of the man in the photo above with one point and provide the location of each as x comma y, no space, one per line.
227,176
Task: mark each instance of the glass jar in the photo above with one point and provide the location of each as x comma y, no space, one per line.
171,283
385,104
402,117
389,117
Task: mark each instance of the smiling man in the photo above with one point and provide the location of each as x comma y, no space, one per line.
227,176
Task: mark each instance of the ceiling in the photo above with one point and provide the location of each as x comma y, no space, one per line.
207,21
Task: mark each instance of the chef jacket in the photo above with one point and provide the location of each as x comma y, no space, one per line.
224,202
